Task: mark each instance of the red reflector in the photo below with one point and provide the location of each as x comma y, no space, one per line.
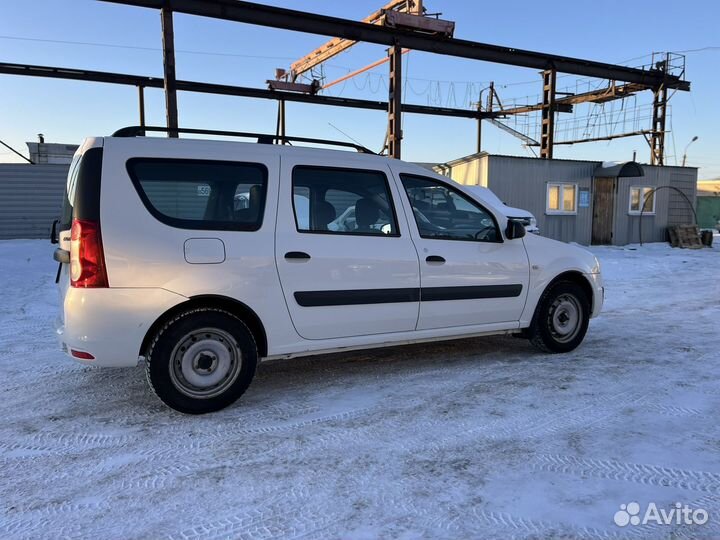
82,355
87,260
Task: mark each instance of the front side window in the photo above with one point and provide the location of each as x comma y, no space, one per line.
444,213
342,201
561,199
198,194
640,195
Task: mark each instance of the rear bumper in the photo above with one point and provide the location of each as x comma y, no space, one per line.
110,324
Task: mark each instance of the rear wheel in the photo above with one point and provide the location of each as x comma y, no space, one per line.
561,318
201,361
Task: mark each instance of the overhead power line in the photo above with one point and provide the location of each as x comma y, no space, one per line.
139,48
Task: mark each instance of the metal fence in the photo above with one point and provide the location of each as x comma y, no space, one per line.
30,199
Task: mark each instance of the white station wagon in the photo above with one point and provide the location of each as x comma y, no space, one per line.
204,256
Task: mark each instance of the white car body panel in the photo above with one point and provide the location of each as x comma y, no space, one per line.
468,264
153,267
343,262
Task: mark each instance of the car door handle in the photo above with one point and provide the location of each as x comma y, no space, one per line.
296,255
435,259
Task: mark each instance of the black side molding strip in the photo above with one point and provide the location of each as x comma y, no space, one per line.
357,297
434,294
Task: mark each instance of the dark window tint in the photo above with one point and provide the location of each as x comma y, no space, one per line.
445,213
202,194
343,201
68,200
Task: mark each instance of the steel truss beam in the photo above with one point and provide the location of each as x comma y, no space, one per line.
221,89
300,21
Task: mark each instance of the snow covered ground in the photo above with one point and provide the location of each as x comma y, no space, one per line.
468,439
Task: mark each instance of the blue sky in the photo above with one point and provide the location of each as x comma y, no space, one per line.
611,31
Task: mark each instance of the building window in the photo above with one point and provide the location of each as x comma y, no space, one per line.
640,194
561,199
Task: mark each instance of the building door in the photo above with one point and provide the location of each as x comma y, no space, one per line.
603,210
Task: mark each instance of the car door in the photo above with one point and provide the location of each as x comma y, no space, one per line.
469,273
346,261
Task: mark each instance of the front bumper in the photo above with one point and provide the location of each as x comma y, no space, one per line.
110,324
598,286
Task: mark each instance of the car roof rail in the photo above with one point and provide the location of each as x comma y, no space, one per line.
262,138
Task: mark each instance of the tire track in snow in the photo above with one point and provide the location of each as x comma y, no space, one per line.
673,410
543,423
640,473
271,520
46,516
53,442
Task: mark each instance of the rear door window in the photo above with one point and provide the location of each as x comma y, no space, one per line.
199,194
343,201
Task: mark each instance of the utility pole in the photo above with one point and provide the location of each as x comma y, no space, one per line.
170,82
695,138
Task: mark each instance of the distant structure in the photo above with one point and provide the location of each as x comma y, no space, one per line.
708,204
54,153
588,202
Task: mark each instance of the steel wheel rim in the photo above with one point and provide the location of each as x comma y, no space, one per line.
566,318
205,363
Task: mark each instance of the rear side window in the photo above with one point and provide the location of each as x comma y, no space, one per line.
199,194
67,206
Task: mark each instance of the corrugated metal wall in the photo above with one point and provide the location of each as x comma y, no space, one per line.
686,181
671,208
30,199
522,183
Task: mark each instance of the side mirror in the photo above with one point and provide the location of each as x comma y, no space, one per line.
515,229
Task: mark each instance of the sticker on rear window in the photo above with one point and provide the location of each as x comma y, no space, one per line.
203,190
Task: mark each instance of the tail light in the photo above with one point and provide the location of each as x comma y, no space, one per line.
87,260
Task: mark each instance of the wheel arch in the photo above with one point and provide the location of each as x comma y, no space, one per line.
576,277
237,308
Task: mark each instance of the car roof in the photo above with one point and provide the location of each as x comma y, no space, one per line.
146,145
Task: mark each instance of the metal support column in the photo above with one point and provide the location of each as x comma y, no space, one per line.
479,130
547,133
170,83
395,102
141,104
280,127
657,136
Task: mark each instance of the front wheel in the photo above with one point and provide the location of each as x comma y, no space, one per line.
561,318
201,361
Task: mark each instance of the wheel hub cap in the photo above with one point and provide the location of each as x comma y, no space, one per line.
566,317
205,363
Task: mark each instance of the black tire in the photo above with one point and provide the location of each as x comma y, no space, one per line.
561,318
201,361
